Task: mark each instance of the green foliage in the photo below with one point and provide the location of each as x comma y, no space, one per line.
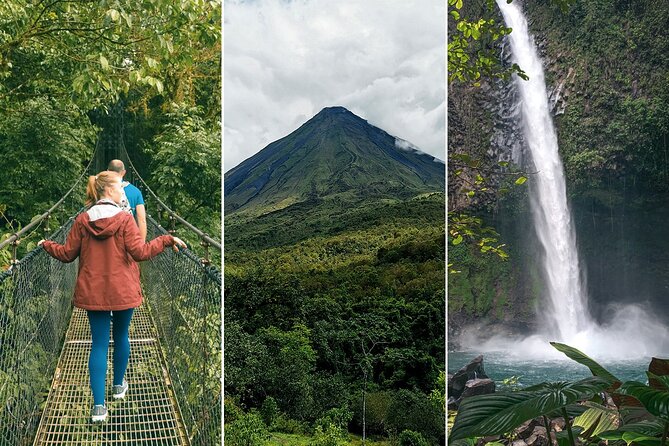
186,169
369,301
332,428
329,435
411,438
655,401
377,409
468,227
247,430
45,147
632,438
438,395
337,416
511,383
93,55
415,411
597,419
647,428
231,410
289,364
269,410
482,285
289,426
187,165
306,222
501,412
244,357
581,358
472,53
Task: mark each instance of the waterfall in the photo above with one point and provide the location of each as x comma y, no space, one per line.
567,313
629,331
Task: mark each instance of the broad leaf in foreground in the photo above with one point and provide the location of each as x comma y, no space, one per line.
582,358
650,428
655,401
499,413
597,419
658,382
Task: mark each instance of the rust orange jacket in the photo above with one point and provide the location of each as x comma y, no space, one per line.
107,242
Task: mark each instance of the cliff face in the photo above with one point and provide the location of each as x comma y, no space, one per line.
607,71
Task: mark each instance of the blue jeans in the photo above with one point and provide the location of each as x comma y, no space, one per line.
97,361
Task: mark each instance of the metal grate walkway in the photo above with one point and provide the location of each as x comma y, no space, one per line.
147,416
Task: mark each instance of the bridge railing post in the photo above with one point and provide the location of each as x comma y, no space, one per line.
46,228
205,244
173,222
15,245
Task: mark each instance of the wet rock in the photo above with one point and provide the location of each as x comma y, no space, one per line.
537,440
539,431
492,438
478,387
458,381
526,429
557,424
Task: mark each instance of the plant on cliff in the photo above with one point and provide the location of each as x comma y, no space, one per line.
473,56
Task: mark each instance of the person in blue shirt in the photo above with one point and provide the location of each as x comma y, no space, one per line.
132,200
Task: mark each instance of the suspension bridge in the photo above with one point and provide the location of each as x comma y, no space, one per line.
174,370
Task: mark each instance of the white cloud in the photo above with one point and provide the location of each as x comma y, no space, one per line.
286,60
408,147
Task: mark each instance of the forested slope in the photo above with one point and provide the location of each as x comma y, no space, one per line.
334,287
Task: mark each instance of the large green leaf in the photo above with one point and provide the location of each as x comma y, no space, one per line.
597,419
630,437
582,358
658,382
464,442
651,428
655,401
658,367
562,437
499,413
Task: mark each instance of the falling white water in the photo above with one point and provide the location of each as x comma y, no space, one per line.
568,312
630,331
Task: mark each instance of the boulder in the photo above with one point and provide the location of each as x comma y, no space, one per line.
526,429
457,381
478,387
536,440
557,424
489,439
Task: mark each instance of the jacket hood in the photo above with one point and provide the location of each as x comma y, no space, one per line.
103,220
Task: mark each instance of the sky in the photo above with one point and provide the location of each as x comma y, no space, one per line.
285,60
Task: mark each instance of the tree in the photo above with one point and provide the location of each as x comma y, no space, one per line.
92,55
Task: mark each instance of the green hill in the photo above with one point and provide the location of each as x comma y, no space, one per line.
334,284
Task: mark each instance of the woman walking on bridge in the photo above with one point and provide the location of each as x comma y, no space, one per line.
108,243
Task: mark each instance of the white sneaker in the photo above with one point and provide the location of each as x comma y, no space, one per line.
119,391
99,413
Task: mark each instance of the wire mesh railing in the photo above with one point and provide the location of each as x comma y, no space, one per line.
184,296
35,308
